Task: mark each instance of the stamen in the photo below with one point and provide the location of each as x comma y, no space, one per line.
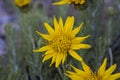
61,44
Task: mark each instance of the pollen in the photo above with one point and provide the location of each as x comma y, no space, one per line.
61,44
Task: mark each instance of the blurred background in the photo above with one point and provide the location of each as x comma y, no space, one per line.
18,38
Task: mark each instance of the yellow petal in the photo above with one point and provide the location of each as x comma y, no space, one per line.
109,71
49,29
49,52
58,59
75,55
71,73
45,36
56,26
44,48
102,67
79,72
53,59
76,30
113,76
61,2
64,57
73,76
61,23
86,68
22,3
79,39
46,57
69,24
80,46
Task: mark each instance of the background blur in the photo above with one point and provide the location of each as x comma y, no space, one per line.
18,37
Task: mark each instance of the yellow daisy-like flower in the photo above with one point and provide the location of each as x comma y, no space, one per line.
88,74
21,3
80,2
61,41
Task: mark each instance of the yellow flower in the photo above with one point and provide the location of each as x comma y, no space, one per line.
61,41
79,2
88,74
21,3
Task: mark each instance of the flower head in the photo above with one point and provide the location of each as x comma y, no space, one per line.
61,41
21,3
88,74
80,2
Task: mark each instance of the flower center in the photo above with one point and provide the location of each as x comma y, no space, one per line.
77,1
61,43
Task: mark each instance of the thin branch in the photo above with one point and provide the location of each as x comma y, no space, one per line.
111,56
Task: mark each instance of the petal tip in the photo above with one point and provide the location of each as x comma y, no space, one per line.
34,51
